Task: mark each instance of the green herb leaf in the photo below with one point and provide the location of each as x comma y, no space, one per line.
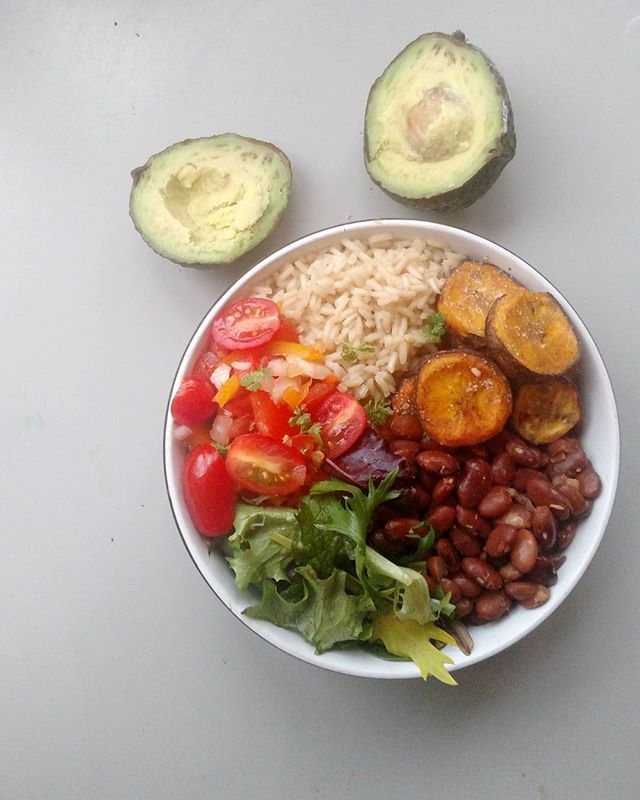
377,412
302,419
221,448
351,353
434,328
254,380
424,542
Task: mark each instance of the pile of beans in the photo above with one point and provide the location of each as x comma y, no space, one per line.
503,512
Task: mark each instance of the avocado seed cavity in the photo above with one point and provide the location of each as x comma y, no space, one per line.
440,125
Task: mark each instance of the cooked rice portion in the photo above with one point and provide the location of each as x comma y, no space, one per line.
372,294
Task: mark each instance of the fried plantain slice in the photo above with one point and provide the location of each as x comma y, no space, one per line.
462,398
545,410
467,296
530,337
403,401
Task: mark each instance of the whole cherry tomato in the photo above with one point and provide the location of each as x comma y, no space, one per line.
193,402
208,491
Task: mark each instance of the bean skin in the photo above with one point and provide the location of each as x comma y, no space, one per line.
491,605
543,572
576,499
495,503
467,585
405,426
525,454
449,586
509,573
472,521
482,573
518,516
444,488
539,598
445,549
521,590
544,527
465,543
566,534
503,469
500,540
400,527
464,607
474,483
438,462
437,568
405,448
590,484
441,518
524,551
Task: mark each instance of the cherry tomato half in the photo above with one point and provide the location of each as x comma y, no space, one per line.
262,465
208,491
193,402
246,324
318,392
342,421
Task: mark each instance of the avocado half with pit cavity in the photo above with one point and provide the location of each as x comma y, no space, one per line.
438,125
208,201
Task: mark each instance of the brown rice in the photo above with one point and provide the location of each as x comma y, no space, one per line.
375,293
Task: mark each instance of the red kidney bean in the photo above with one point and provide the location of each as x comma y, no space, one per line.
500,540
482,573
464,542
521,590
464,607
405,448
479,451
405,426
445,549
572,464
421,497
430,583
544,527
400,527
539,598
503,469
539,490
467,585
524,551
491,605
441,518
438,462
518,516
560,447
474,483
523,476
576,500
525,454
449,586
509,573
559,505
543,572
495,503
443,488
566,534
472,521
557,560
437,568
590,484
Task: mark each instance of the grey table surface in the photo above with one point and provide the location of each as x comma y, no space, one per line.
121,674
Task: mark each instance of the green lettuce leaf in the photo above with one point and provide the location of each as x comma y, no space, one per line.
410,595
262,543
323,612
320,548
406,637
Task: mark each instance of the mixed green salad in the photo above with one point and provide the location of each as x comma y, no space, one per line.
315,574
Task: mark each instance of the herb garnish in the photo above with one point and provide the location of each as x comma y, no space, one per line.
302,419
377,412
254,380
351,353
434,328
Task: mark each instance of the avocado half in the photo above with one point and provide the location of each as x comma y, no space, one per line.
208,201
438,124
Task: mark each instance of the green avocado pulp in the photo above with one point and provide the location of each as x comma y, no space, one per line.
208,201
434,118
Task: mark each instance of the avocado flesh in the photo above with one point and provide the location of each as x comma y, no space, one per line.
208,201
438,124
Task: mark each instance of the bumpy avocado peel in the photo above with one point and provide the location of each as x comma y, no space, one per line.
479,183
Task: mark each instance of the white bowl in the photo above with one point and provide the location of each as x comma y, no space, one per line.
600,438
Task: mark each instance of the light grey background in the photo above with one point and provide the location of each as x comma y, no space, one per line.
121,675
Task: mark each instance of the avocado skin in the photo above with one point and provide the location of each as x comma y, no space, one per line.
137,173
463,196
